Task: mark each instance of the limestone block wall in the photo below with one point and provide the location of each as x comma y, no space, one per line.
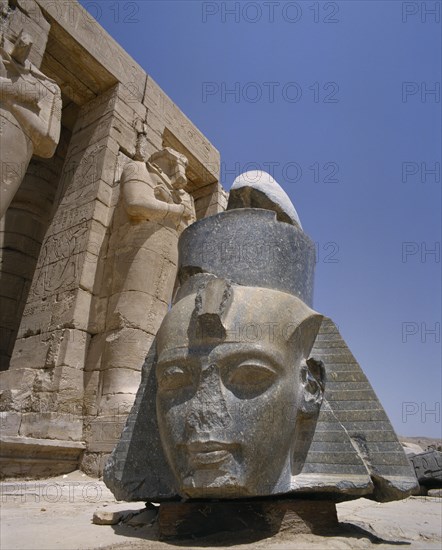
75,356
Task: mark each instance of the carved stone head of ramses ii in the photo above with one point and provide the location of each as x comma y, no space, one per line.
238,394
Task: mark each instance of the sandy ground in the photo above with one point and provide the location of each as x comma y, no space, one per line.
57,514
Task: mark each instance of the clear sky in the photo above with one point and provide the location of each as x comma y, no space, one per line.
340,102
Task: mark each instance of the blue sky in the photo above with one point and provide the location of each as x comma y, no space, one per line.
340,101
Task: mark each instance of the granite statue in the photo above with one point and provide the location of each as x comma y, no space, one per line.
247,391
30,115
236,382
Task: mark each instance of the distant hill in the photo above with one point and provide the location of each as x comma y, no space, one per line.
427,443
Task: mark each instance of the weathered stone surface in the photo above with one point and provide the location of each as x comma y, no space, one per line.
125,347
257,189
250,247
412,449
51,426
121,380
9,423
52,349
93,48
30,457
174,129
118,404
428,468
106,517
245,382
372,437
28,16
134,518
136,310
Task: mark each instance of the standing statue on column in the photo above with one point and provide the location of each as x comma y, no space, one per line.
141,264
30,115
154,190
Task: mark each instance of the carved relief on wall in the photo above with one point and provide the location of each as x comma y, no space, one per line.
59,261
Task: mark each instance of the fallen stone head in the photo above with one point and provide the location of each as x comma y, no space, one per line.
247,391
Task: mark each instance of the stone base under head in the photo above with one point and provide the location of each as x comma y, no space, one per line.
246,520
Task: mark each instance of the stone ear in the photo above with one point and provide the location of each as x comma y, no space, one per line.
313,377
311,393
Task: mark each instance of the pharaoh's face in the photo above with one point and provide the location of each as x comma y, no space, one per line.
227,406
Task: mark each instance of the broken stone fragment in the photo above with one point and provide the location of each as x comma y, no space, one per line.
428,468
134,518
106,517
412,449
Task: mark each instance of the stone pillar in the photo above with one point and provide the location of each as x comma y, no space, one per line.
22,231
47,365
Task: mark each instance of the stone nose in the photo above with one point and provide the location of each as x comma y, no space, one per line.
208,410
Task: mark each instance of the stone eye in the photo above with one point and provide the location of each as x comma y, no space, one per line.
174,378
250,378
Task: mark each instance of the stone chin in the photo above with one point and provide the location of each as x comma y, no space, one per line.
230,480
213,483
232,399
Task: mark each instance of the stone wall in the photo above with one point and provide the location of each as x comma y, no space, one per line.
65,390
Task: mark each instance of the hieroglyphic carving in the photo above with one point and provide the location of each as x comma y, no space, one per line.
59,262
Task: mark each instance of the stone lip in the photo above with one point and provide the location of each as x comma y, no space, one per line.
38,457
257,189
250,247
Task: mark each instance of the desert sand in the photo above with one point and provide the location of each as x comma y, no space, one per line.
57,513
